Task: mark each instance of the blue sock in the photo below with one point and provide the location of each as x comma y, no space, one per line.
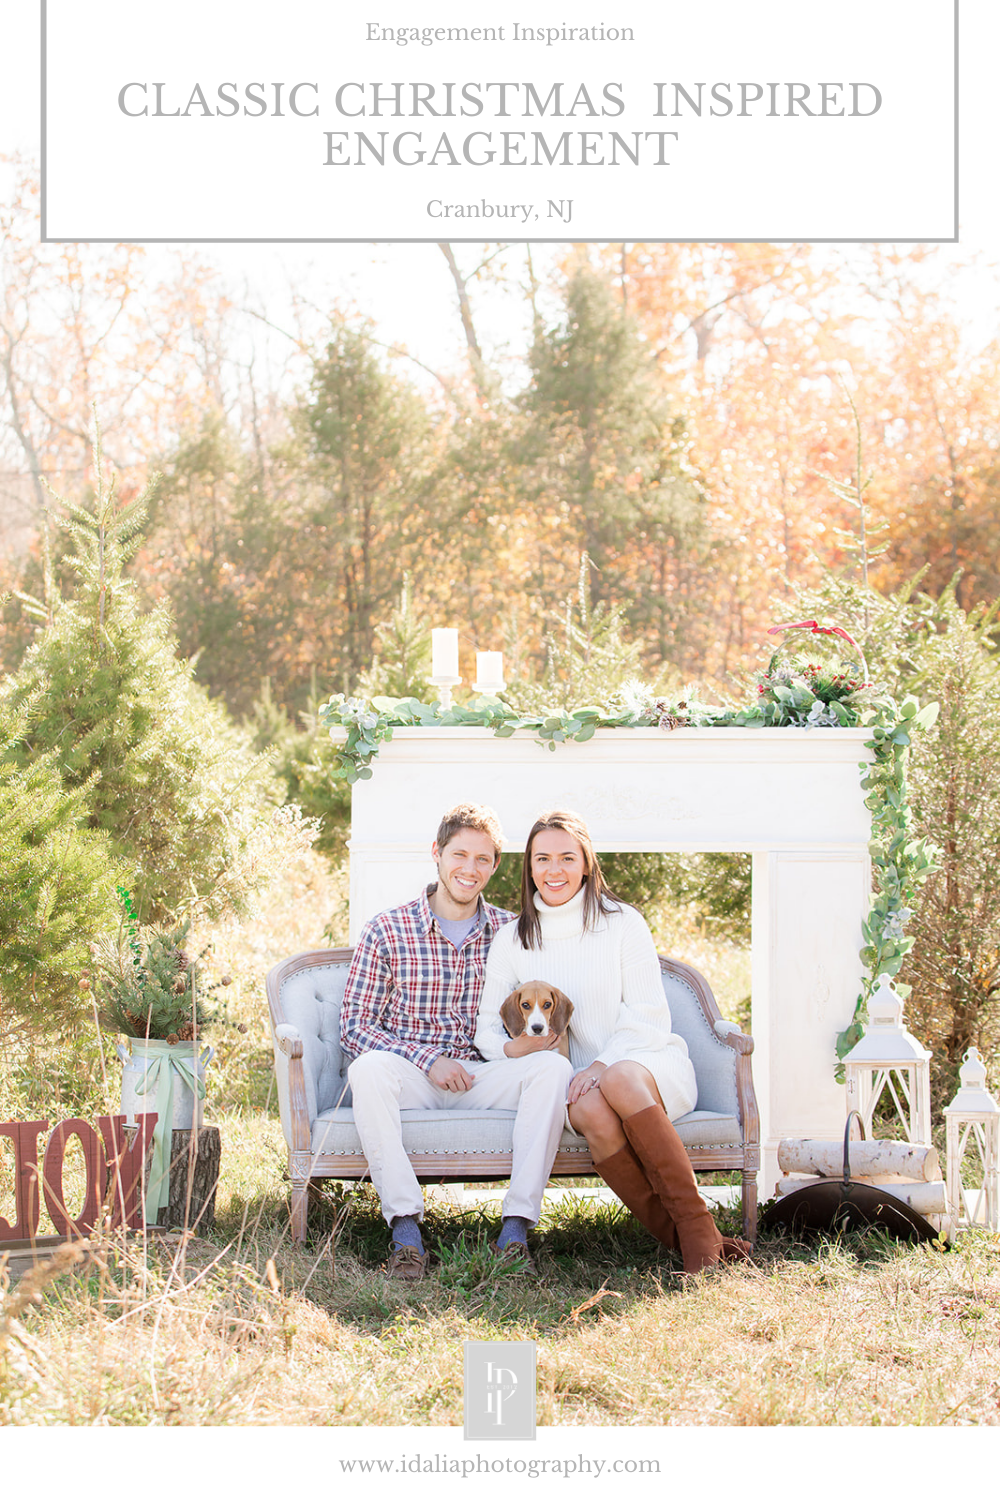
513,1231
406,1231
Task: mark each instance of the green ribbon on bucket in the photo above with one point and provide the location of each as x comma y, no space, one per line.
166,1062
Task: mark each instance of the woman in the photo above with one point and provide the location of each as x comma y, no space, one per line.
634,1074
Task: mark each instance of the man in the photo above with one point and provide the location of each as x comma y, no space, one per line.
408,1021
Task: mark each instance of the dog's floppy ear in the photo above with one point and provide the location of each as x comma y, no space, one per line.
511,1014
562,1011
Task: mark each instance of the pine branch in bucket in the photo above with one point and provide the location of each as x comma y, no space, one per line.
149,985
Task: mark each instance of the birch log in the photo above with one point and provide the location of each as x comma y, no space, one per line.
868,1159
923,1197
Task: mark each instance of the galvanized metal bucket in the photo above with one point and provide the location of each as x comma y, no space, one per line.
144,1057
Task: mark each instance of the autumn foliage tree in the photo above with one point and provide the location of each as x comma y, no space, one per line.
772,349
678,416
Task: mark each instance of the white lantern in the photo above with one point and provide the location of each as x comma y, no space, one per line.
444,663
889,1064
972,1119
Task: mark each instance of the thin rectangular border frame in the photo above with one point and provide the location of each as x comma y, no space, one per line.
625,239
468,1437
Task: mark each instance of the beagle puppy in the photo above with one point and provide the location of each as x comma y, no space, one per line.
538,1009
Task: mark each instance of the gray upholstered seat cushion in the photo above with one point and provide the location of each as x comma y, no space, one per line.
466,1132
311,999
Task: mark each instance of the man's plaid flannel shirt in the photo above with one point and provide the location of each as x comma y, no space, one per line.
410,992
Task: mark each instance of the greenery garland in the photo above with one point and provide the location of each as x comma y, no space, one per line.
899,862
797,692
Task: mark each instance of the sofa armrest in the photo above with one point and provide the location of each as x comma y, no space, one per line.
731,1036
289,1074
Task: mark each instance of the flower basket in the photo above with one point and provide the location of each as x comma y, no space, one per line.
815,694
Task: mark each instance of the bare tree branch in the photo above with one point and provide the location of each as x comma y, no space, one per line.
475,353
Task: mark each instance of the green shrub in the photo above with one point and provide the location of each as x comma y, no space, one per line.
161,770
57,890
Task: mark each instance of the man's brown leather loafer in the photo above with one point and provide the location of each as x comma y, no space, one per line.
407,1264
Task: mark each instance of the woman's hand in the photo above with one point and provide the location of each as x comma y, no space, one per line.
520,1046
581,1083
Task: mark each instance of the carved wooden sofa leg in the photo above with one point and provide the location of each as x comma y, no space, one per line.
750,1205
299,1208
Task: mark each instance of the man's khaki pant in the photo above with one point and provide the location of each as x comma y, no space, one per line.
382,1084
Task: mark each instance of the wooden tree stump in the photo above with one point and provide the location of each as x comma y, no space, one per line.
194,1208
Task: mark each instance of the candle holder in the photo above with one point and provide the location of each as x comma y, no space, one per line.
444,686
444,664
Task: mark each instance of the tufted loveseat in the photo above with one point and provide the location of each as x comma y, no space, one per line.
304,995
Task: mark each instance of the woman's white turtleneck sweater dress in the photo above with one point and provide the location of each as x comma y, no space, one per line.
612,976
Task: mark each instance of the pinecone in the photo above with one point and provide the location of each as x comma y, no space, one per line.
183,959
186,1033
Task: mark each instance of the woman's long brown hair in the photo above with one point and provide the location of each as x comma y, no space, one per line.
597,895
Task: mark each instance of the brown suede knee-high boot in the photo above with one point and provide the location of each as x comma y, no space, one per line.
624,1175
665,1163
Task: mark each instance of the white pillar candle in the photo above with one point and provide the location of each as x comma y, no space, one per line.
444,653
489,671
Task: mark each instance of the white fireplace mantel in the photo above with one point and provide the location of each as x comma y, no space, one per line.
790,797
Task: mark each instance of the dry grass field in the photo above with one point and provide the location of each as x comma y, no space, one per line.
243,1329
240,1327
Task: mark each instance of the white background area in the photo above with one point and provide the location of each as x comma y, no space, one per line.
885,175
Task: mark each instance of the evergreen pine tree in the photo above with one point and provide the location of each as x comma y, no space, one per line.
57,891
304,759
401,667
588,655
162,771
606,451
368,450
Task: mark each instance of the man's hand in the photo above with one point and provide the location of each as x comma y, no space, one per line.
581,1083
520,1046
448,1073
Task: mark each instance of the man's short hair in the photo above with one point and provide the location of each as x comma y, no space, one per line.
470,815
